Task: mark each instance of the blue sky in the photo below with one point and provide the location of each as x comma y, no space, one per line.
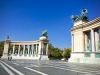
24,20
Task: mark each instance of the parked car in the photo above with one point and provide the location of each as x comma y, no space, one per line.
64,59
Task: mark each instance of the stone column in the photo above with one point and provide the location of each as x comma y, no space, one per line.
28,48
96,39
72,35
99,34
19,49
24,49
92,37
47,49
42,47
86,40
39,51
36,48
13,49
6,47
83,42
32,49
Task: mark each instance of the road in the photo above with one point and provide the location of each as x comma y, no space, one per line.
46,67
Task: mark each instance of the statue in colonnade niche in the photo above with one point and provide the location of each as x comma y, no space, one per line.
16,52
10,52
21,52
30,52
98,45
88,47
25,52
35,53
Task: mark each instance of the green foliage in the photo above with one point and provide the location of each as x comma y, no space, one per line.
53,52
56,53
1,47
66,53
50,49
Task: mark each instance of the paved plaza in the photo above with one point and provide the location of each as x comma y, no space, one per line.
46,67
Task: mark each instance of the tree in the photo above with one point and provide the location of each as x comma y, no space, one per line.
1,47
66,53
56,53
50,49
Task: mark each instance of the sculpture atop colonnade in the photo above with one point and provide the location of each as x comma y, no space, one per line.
7,37
81,17
44,33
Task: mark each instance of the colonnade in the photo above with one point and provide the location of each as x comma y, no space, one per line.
89,43
92,41
30,49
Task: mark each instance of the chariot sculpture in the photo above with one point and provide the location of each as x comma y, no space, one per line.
44,33
81,17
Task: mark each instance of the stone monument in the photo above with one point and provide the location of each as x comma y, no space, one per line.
85,50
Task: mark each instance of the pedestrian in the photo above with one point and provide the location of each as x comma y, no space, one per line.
8,58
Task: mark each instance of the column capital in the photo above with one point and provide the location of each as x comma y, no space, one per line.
13,44
92,29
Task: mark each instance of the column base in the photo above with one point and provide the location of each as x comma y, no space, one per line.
85,57
98,50
85,60
4,56
33,57
44,57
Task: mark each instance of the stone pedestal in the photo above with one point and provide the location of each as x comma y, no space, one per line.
6,48
44,57
43,40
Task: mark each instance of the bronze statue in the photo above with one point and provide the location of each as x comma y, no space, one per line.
88,47
7,37
98,45
44,33
81,17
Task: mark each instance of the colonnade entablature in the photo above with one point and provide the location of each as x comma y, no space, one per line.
87,26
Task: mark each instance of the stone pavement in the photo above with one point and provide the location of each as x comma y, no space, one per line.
46,67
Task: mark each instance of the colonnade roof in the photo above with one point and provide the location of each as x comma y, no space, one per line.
24,41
